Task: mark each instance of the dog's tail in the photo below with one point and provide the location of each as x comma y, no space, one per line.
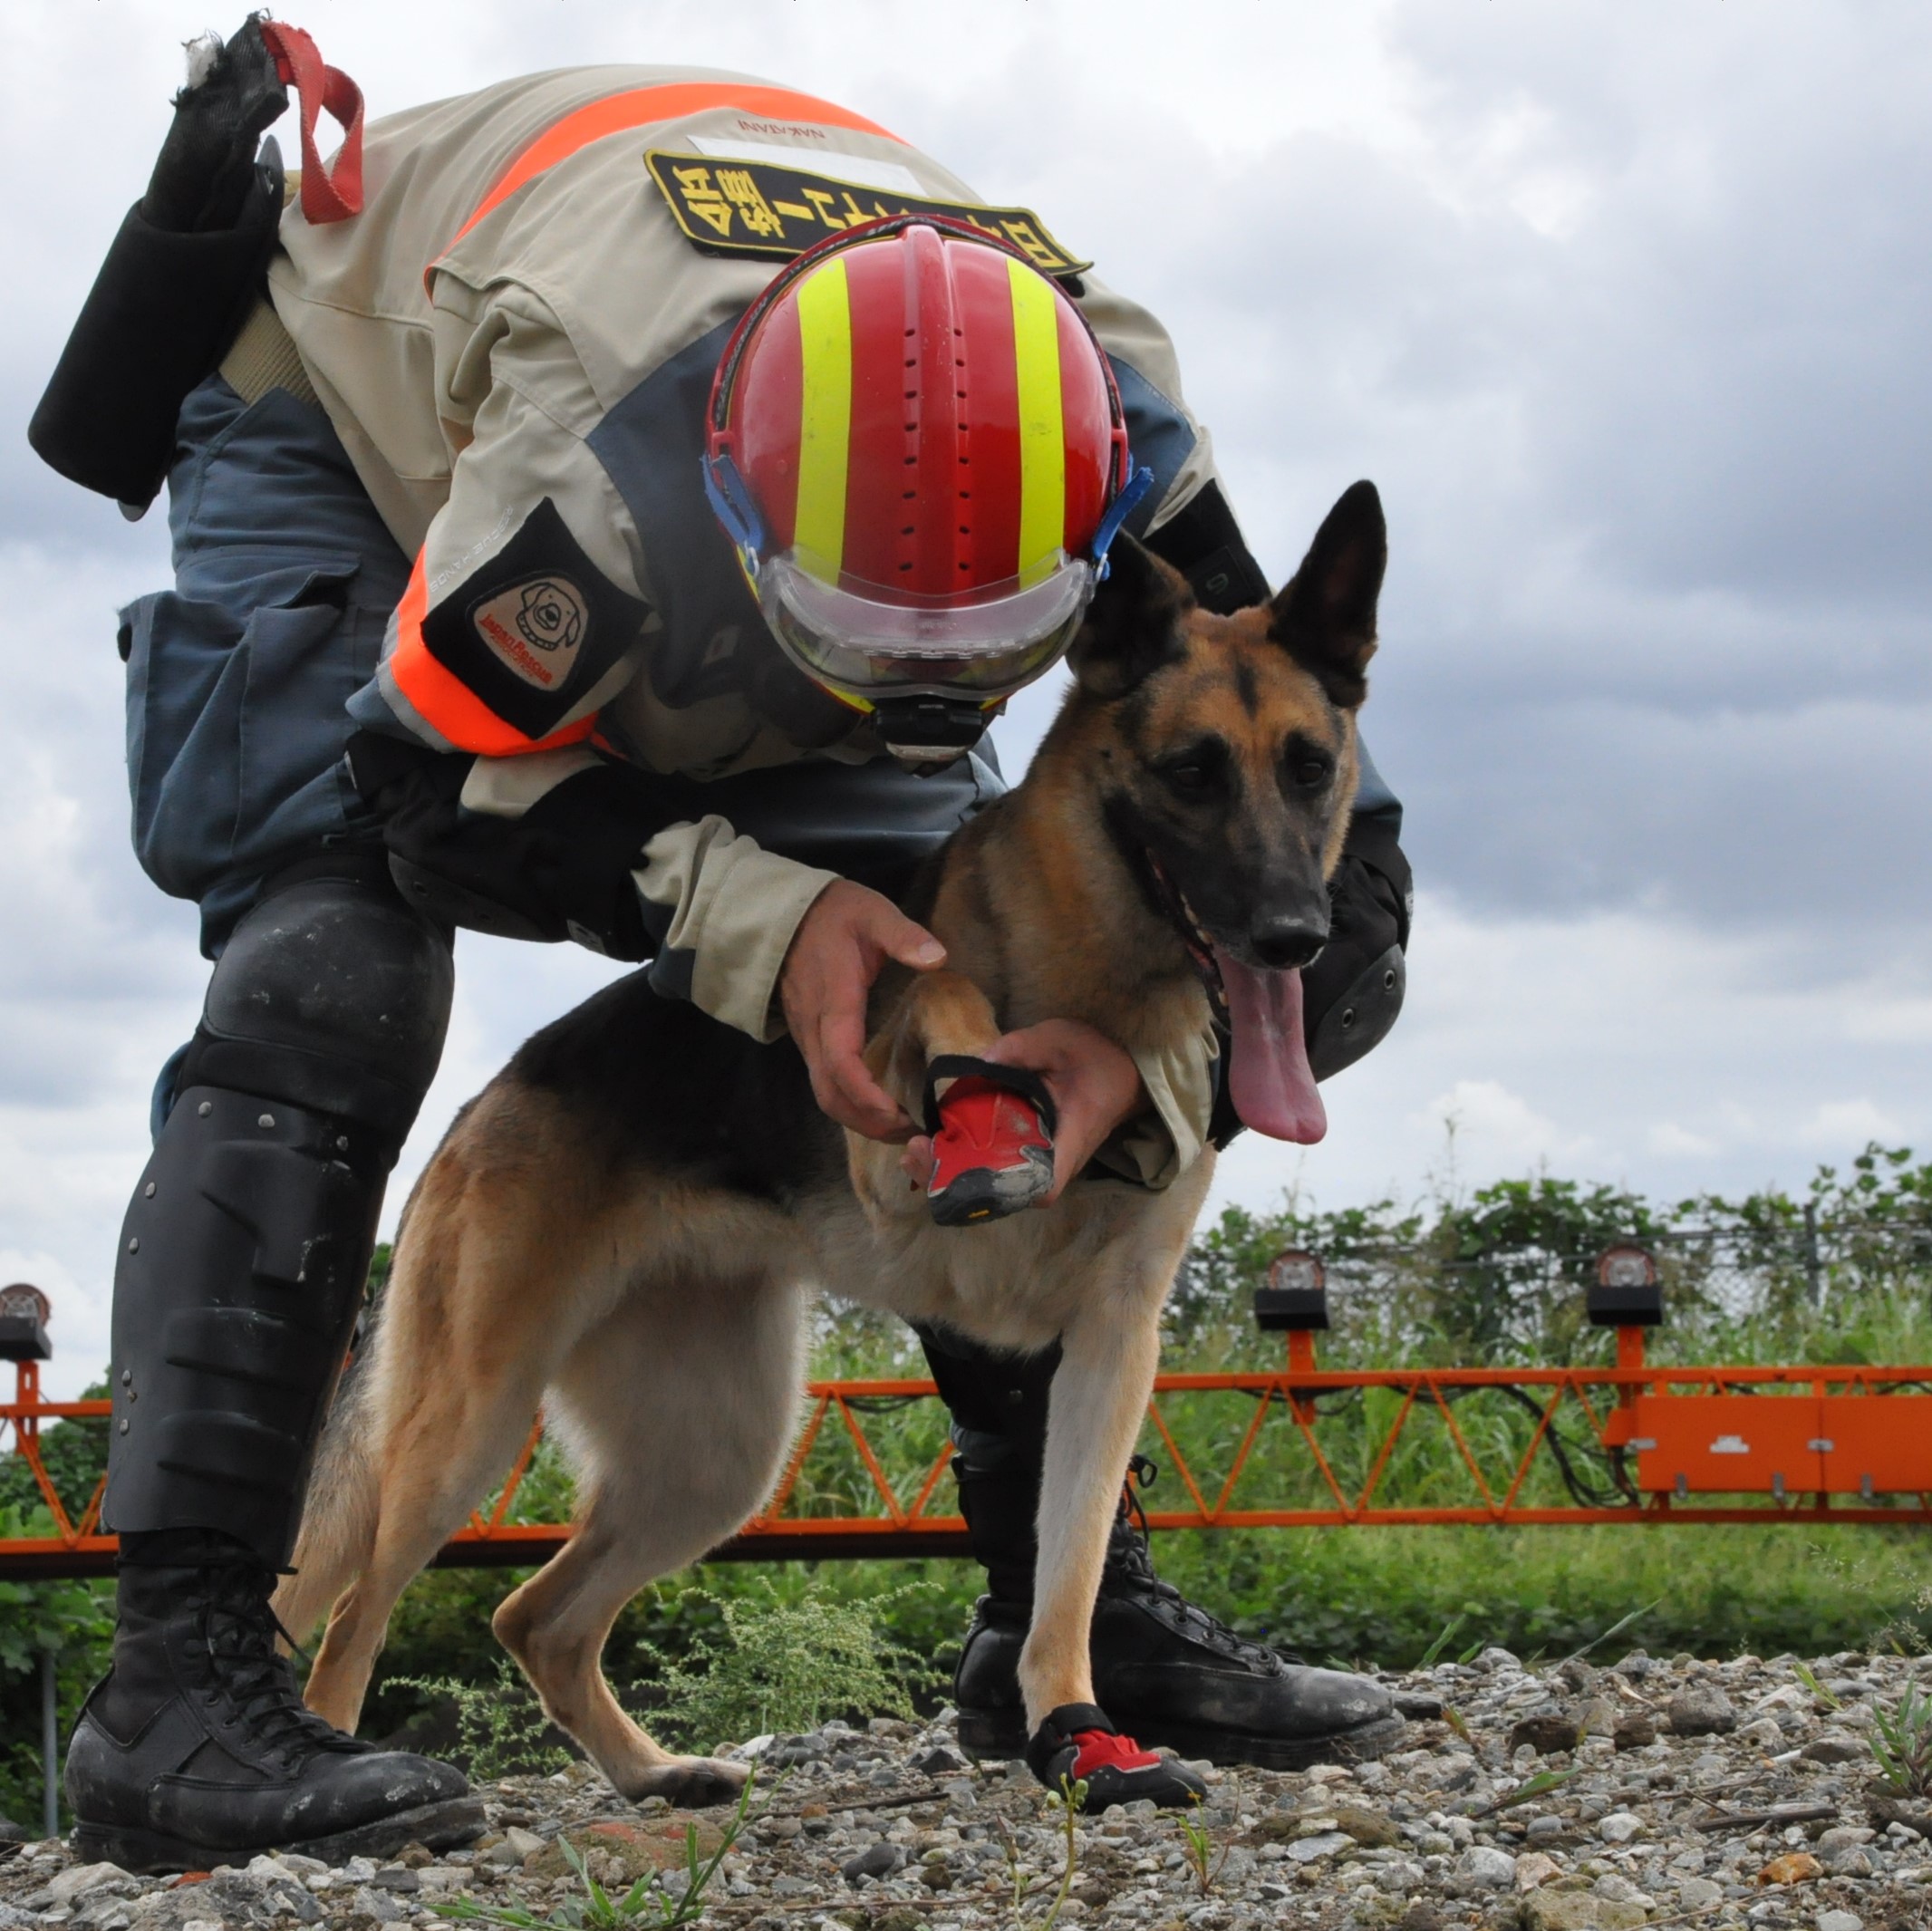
338,1516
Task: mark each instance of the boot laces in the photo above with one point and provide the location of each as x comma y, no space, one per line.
240,1628
1129,1571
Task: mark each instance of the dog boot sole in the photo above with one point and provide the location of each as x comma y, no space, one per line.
443,1826
999,1735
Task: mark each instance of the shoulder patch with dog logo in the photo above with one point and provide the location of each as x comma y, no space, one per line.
727,206
533,629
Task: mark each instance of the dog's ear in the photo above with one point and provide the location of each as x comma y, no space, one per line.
1133,626
1326,618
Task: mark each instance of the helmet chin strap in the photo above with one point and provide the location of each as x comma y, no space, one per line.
928,731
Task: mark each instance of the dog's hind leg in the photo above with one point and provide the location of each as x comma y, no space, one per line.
680,1406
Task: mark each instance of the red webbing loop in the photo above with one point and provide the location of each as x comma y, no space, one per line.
327,195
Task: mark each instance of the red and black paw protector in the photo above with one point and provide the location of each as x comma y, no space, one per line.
992,1139
1076,1743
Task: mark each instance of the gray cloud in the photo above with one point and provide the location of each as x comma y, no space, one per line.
1624,309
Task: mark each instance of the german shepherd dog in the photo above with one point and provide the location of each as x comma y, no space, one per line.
626,1225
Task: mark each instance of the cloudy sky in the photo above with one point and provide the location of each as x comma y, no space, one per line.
1618,305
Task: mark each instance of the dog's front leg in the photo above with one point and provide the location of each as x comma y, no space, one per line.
1099,1395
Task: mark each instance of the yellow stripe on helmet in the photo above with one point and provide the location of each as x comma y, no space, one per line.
1042,437
825,329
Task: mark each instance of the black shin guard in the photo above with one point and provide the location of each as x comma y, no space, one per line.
246,1245
999,1406
242,1265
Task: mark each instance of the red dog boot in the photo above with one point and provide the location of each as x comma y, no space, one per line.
1076,1743
992,1139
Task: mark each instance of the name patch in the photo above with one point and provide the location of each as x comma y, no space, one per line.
755,207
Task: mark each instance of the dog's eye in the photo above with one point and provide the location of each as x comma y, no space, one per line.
1307,772
1194,774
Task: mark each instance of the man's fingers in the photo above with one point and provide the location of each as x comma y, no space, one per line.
904,939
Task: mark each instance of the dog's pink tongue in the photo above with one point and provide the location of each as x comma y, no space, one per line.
1273,1085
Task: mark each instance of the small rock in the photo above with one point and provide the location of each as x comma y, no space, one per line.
1764,1734
1699,1894
1369,1829
85,1877
939,1762
1796,1867
1547,1910
1636,1730
525,1843
1842,1836
1619,1827
11,1832
1835,1746
1597,1717
1618,1889
1547,1737
876,1861
1325,1844
1544,1827
1534,1868
379,1906
1701,1709
1484,1865
1839,1921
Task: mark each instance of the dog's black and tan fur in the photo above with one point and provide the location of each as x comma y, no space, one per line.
626,1226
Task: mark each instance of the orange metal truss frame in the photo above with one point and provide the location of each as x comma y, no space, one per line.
1710,1445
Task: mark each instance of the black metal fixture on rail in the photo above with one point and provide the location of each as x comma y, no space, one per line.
1626,1292
1296,1299
23,1312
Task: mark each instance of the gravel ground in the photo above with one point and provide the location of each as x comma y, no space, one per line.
1715,1794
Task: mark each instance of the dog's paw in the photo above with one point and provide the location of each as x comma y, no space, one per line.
992,1154
1077,1745
692,1783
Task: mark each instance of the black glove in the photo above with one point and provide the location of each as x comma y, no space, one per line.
177,284
206,169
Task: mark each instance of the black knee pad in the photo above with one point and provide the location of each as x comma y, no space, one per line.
997,1400
332,995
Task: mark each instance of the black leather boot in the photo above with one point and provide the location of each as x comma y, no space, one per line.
1166,1672
242,1266
196,1749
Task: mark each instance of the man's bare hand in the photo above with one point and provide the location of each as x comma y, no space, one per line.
1095,1085
842,944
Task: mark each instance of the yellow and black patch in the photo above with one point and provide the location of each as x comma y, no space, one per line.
753,207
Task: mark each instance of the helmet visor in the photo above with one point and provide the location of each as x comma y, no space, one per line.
985,648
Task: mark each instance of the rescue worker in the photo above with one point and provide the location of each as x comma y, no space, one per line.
490,613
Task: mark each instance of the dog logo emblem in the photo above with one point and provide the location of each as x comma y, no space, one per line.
534,629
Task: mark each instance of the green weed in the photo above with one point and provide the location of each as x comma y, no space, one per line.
649,1902
500,1724
781,1666
1901,1740
1198,1846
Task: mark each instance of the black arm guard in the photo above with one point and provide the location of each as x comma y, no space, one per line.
176,286
1205,545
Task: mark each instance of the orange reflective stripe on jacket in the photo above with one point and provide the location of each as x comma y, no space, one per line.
642,106
445,702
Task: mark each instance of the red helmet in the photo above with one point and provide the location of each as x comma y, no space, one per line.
917,447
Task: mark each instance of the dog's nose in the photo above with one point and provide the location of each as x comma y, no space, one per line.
1287,938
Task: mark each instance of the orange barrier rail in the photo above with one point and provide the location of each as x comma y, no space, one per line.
1311,1448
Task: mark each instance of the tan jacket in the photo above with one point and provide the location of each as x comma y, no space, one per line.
511,340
